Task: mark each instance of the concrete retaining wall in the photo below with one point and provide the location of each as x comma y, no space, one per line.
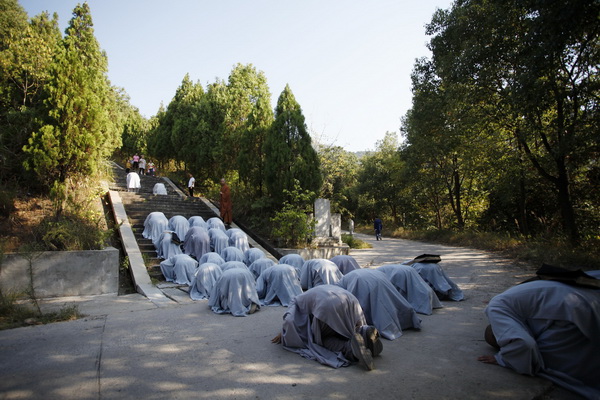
62,273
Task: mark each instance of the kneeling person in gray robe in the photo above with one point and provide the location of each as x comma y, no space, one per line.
235,293
326,324
550,329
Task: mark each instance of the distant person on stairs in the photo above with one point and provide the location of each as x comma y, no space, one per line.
191,184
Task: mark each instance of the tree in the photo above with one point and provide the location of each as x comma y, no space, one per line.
184,111
80,127
26,52
339,169
380,180
249,117
289,154
538,63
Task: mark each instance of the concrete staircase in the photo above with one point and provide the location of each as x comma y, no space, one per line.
130,211
139,204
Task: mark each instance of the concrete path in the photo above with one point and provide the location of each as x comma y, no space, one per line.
129,348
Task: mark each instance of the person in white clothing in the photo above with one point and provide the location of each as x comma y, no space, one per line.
191,184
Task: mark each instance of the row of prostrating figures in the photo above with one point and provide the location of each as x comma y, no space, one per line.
216,262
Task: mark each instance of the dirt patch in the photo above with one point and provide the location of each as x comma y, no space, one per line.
19,227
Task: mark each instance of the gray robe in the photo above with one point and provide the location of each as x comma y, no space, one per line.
205,278
159,189
197,220
211,257
412,287
441,283
383,306
165,247
252,255
218,240
179,269
234,264
308,312
154,225
550,329
237,238
293,259
234,292
180,225
216,222
319,272
196,242
232,254
278,285
345,263
258,266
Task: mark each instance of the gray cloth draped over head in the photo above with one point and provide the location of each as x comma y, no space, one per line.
179,268
550,329
205,278
159,189
196,242
258,266
382,305
180,225
293,259
278,285
345,263
437,278
154,225
412,287
165,247
319,271
234,293
329,304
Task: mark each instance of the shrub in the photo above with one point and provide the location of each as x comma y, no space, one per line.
70,232
355,243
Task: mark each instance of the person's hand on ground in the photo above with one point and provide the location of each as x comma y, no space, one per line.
487,359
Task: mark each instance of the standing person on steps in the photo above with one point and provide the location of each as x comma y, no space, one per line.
225,206
191,184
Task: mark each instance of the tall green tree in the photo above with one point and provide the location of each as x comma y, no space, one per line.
249,115
289,155
451,149
538,62
184,111
26,53
80,126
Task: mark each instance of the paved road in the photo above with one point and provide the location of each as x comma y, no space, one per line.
128,348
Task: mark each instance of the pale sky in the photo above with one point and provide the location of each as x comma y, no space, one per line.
348,62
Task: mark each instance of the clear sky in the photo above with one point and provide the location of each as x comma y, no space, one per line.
348,62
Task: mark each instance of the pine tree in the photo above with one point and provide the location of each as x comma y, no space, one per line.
289,152
80,129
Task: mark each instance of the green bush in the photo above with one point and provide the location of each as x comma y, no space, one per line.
355,243
71,233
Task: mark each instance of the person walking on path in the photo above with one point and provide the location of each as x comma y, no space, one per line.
378,225
225,206
351,226
191,184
